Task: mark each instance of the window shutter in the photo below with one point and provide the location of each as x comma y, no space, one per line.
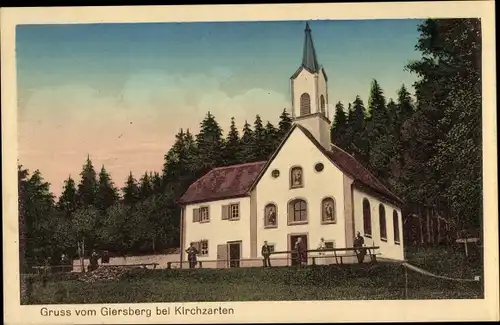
290,212
196,215
225,212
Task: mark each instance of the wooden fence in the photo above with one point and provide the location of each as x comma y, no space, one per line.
324,257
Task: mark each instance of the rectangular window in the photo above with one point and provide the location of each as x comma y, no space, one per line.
204,214
395,221
271,247
234,211
203,244
231,211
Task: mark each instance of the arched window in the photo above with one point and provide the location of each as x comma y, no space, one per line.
328,211
305,104
297,211
382,223
367,218
395,222
270,216
322,103
296,177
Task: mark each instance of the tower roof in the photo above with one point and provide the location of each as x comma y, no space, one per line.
309,59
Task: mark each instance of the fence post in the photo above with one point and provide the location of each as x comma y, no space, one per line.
201,264
169,265
314,260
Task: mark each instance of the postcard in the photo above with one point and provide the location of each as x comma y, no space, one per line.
250,163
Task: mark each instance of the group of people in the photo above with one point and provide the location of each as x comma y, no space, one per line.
300,251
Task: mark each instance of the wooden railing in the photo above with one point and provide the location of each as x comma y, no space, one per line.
327,253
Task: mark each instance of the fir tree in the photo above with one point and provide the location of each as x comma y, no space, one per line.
107,193
284,125
272,139
247,153
232,147
210,143
131,194
259,145
87,189
359,147
338,130
68,201
145,186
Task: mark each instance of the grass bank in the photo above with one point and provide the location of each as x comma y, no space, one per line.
334,282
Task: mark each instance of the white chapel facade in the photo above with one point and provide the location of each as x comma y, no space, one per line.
309,188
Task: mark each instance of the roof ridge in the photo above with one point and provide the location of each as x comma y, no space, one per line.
239,165
367,170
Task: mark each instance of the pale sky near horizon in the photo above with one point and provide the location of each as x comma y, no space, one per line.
120,92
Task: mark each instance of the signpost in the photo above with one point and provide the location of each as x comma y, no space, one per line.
465,241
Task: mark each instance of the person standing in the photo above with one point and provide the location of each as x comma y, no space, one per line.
266,253
191,253
359,243
94,261
321,247
301,252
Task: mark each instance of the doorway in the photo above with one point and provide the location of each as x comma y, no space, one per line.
234,253
291,242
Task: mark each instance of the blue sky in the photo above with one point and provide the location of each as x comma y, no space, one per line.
122,91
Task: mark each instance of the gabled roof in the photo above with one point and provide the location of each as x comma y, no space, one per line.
239,180
223,183
362,178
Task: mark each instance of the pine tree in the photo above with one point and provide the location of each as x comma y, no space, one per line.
259,140
232,146
339,127
247,153
210,143
155,182
107,193
272,139
359,146
131,194
443,136
284,125
145,186
87,189
181,166
68,201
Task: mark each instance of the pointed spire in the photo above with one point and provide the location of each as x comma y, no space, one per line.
309,59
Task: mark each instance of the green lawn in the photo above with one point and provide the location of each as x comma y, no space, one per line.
335,282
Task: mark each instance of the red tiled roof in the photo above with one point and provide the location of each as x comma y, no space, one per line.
223,183
353,168
238,180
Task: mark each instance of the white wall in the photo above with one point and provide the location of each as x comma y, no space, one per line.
323,90
299,150
219,231
387,249
304,83
161,259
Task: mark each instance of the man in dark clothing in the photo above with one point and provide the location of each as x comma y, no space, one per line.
94,261
266,253
301,252
359,243
191,253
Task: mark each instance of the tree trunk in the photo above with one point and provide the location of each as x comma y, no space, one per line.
428,223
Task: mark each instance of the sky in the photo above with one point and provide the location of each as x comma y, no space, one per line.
120,92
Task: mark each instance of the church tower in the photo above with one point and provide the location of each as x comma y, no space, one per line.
309,90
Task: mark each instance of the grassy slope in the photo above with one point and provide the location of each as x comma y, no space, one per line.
336,282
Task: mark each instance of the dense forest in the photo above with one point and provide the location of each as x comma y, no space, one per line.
427,150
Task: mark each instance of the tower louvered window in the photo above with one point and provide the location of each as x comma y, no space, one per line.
305,104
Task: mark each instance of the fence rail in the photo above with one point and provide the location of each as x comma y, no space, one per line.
325,256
